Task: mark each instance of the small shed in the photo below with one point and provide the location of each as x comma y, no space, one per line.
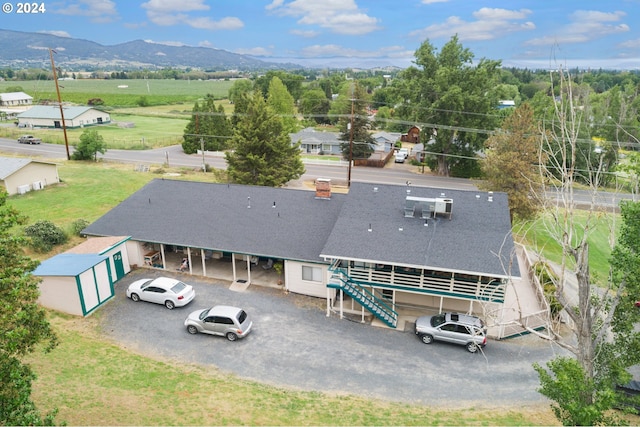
81,280
48,116
20,175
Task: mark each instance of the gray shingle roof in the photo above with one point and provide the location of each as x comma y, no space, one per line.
10,165
218,217
477,239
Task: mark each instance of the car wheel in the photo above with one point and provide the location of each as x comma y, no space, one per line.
135,297
426,338
472,347
169,304
192,329
231,336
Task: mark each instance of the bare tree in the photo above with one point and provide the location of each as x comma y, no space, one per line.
591,310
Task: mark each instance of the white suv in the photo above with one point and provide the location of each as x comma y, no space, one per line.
456,328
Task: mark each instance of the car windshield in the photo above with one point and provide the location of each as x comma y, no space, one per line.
145,284
178,287
437,320
242,316
204,314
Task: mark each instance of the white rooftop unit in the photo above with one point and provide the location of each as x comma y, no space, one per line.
428,206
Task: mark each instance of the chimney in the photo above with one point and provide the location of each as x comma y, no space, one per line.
323,188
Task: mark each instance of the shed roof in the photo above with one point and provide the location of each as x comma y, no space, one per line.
66,264
263,221
477,239
53,112
14,96
97,245
10,165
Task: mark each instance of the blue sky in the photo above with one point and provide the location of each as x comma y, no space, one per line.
360,33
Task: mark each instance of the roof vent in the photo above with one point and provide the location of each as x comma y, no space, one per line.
323,188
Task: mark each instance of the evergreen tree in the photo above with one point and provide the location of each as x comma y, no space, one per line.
354,125
263,153
208,127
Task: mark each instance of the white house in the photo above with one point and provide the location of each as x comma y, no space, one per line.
19,175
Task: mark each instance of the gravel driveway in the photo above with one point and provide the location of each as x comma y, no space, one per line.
293,344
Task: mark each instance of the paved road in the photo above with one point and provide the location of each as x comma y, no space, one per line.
295,345
394,173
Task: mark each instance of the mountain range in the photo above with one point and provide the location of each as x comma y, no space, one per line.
25,49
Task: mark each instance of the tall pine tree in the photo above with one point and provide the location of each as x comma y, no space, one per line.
263,153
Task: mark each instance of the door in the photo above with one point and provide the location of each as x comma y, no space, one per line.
117,261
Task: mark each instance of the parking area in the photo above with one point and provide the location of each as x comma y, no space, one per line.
293,344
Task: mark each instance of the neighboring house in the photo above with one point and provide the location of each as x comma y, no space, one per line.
382,251
15,99
48,116
412,135
385,141
506,104
316,142
81,279
19,175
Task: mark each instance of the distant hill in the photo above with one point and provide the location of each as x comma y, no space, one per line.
23,49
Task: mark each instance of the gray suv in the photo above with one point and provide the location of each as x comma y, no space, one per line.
456,328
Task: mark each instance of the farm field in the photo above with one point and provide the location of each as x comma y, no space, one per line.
122,93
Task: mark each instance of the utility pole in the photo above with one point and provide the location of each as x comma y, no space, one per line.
64,126
350,143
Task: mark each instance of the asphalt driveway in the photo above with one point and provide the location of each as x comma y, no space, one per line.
293,344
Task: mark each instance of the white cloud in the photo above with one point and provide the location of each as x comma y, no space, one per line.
254,51
176,12
586,25
97,10
306,34
333,50
56,33
337,16
489,24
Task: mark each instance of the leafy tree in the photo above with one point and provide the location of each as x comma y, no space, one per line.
445,91
354,125
314,105
263,153
91,143
208,127
281,102
293,82
512,160
23,325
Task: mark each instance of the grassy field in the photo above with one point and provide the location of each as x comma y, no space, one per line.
122,93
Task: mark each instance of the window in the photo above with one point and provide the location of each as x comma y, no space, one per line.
311,274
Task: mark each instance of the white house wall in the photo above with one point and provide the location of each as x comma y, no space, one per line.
45,173
103,282
124,251
295,283
61,294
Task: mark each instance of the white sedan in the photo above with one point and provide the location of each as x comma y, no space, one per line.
163,290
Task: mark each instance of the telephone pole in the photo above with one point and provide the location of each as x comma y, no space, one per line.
64,126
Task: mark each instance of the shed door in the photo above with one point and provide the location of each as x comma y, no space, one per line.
117,261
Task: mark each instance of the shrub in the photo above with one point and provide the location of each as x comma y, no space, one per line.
78,225
45,235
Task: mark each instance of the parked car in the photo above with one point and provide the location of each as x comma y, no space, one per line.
456,328
29,139
223,320
401,155
162,290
